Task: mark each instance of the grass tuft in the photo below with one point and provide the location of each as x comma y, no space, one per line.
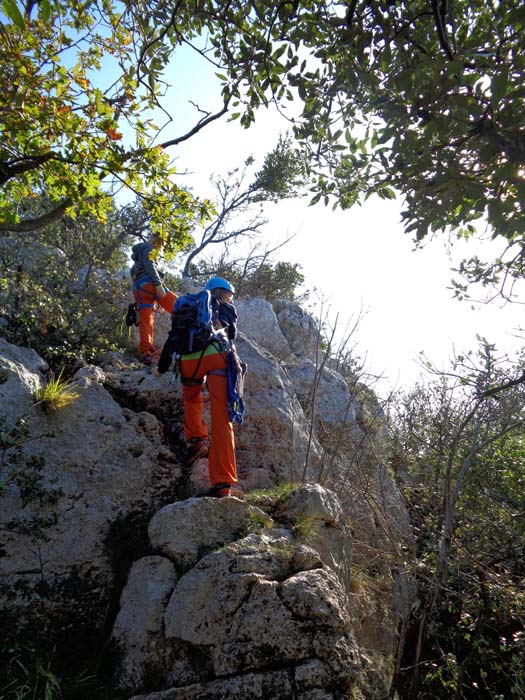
274,496
308,528
55,394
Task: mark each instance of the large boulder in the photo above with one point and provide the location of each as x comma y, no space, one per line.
318,517
325,393
22,372
257,320
263,614
275,434
182,531
298,327
250,603
79,482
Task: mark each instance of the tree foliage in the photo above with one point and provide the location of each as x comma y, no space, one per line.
255,276
421,98
62,129
459,457
54,296
239,199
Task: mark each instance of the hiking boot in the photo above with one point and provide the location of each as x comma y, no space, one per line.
225,491
197,448
147,358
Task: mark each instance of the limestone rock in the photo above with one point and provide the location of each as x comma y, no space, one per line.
28,254
94,469
274,435
22,372
137,387
183,531
269,685
262,598
321,524
298,327
248,604
211,616
272,442
138,625
334,403
96,277
258,322
188,286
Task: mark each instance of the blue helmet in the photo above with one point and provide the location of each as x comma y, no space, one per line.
219,283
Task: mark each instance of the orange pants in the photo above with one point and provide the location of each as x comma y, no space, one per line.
144,298
221,459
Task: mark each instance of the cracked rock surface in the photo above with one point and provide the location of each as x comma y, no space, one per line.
90,469
266,616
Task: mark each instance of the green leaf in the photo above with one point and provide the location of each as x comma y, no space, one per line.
517,16
499,87
11,10
45,10
279,52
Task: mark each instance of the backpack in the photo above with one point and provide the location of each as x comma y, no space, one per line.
191,323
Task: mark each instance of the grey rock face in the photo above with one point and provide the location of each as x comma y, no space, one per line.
91,466
334,403
262,601
229,602
28,253
140,619
275,433
257,320
322,525
298,327
182,531
270,685
22,372
142,390
272,442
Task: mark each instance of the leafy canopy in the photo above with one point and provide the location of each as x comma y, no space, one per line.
421,98
61,134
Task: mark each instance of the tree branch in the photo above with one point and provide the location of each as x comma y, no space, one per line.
502,387
9,169
40,221
439,10
200,125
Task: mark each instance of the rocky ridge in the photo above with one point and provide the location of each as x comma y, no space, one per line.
193,588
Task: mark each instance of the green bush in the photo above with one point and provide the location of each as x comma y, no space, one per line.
64,318
270,281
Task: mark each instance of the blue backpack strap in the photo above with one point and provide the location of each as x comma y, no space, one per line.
235,387
137,285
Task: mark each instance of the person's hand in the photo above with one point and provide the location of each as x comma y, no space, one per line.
156,372
161,292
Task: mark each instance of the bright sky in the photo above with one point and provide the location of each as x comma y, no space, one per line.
358,260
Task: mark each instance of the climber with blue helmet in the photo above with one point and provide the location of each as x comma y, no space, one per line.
210,365
219,283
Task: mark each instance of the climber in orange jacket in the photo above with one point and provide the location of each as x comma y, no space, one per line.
148,289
